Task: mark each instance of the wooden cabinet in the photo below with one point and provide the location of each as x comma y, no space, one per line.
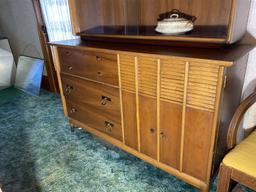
161,106
218,21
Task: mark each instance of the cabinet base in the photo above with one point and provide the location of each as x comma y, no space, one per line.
204,187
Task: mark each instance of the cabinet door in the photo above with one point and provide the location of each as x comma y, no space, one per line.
148,126
171,102
127,72
201,101
147,91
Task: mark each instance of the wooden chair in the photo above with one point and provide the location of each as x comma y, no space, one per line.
239,164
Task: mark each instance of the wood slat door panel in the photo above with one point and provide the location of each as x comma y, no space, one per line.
171,100
147,91
202,86
148,126
203,80
170,133
127,76
147,76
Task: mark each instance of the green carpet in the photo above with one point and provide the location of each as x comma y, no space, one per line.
39,153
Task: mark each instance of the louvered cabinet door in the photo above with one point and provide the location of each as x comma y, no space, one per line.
127,73
203,80
147,93
171,102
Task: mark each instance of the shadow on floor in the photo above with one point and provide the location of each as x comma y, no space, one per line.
17,169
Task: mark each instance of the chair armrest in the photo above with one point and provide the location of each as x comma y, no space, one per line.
236,120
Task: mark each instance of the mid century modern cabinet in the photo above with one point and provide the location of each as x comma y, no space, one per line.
169,106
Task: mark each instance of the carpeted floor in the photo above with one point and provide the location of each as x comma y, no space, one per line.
39,153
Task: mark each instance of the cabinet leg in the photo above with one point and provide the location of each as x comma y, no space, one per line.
205,189
72,127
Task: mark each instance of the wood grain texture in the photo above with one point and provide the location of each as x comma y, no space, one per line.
172,80
187,178
89,15
93,65
197,140
224,183
238,20
170,133
91,93
57,64
95,117
148,126
244,179
222,56
130,120
127,73
202,86
147,76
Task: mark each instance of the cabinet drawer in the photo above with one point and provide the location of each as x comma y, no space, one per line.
98,66
94,117
91,93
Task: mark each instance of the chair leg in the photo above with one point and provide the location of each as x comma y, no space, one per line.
224,182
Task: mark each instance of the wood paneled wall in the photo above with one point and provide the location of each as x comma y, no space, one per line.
92,13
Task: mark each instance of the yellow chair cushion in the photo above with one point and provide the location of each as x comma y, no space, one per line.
243,156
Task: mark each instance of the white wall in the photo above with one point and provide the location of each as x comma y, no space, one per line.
17,22
250,78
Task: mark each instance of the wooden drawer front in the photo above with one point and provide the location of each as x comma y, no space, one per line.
93,65
202,86
91,93
172,81
94,117
147,76
127,71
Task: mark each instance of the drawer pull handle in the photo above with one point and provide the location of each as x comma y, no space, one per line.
98,58
68,89
73,110
152,130
70,68
162,135
105,100
109,126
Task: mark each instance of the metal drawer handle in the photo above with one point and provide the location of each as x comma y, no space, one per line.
98,58
68,89
109,126
73,110
105,100
70,68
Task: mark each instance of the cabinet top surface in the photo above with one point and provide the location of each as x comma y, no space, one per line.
227,55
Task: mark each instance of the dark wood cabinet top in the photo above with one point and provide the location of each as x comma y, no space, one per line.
225,53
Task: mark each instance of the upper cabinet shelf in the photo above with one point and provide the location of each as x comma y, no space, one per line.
218,21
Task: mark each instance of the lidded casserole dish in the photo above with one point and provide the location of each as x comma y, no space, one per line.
175,22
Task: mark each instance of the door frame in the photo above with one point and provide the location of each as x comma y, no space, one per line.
50,81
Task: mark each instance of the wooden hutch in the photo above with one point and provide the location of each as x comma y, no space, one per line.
168,105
